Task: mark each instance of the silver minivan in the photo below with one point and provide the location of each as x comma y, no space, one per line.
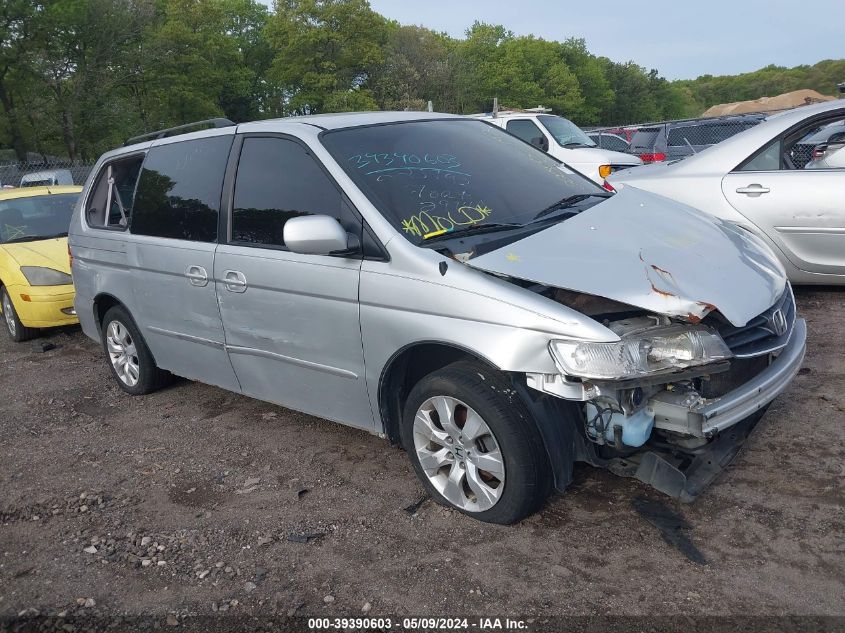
439,282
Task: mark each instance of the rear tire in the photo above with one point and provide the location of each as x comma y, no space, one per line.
474,445
16,330
130,360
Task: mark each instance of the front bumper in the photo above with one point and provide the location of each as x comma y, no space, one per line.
727,422
708,418
45,305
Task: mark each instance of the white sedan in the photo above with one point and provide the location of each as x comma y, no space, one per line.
760,179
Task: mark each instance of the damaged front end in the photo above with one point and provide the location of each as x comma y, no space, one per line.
700,333
671,402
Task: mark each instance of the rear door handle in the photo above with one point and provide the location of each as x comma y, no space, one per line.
197,275
235,280
753,190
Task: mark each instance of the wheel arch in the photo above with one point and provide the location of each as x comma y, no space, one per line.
104,302
557,420
406,367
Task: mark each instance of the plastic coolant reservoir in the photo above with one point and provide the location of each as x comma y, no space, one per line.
636,428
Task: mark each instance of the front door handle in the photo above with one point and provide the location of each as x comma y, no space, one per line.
235,280
197,276
754,190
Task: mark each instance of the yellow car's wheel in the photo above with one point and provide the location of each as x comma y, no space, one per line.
16,330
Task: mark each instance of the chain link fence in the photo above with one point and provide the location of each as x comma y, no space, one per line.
42,171
672,140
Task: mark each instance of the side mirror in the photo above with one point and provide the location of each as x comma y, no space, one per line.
317,235
542,142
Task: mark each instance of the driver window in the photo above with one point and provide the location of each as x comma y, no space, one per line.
278,179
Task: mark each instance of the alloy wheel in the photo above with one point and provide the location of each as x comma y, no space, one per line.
122,353
459,453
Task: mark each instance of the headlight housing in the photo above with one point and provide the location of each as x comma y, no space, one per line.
38,276
646,352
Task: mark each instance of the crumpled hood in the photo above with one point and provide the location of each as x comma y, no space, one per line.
50,253
651,252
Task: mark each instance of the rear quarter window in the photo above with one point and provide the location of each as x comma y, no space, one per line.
112,197
179,189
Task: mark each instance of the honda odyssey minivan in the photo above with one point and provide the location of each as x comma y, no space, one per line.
439,282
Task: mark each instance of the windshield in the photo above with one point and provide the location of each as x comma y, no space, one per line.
35,217
565,132
432,179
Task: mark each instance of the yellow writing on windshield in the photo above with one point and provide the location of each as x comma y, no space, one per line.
426,225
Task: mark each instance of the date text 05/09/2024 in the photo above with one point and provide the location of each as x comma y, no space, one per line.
481,624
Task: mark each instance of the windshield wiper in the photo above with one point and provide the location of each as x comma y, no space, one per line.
32,238
575,144
566,203
486,227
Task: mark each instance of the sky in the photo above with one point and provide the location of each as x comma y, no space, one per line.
682,39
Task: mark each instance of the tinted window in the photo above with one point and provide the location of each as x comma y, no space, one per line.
110,204
692,134
430,178
179,189
526,130
645,139
278,180
36,217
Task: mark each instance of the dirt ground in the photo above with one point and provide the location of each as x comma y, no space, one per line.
198,501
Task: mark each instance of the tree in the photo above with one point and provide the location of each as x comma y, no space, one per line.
16,21
325,50
193,67
415,70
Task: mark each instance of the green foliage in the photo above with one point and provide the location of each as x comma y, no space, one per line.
324,49
79,76
708,90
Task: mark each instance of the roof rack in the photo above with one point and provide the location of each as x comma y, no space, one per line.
179,129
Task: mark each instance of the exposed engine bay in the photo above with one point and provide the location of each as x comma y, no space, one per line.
663,406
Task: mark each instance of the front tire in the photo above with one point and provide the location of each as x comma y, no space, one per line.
130,359
474,446
16,330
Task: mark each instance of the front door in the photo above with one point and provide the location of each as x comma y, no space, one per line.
291,321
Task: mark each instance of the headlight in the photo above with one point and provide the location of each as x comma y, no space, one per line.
657,350
37,276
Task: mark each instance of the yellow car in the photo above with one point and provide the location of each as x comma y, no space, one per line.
36,290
